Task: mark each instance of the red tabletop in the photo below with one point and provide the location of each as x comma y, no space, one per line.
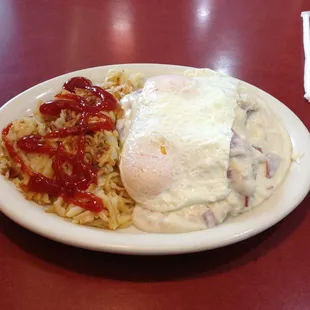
259,41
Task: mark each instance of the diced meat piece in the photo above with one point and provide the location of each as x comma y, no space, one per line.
258,148
272,164
238,146
209,218
258,155
242,168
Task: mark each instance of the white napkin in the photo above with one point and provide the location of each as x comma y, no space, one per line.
306,37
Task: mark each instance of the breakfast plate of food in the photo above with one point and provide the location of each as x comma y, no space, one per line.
150,159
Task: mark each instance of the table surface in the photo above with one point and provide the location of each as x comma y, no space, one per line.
259,41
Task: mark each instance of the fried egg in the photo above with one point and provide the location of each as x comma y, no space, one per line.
176,134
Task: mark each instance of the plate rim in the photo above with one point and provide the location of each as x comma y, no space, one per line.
134,249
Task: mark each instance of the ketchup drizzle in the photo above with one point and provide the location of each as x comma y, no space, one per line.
71,187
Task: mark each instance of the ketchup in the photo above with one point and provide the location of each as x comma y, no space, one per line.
71,187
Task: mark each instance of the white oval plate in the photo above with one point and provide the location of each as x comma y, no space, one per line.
132,241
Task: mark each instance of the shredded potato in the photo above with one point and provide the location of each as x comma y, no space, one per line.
102,149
